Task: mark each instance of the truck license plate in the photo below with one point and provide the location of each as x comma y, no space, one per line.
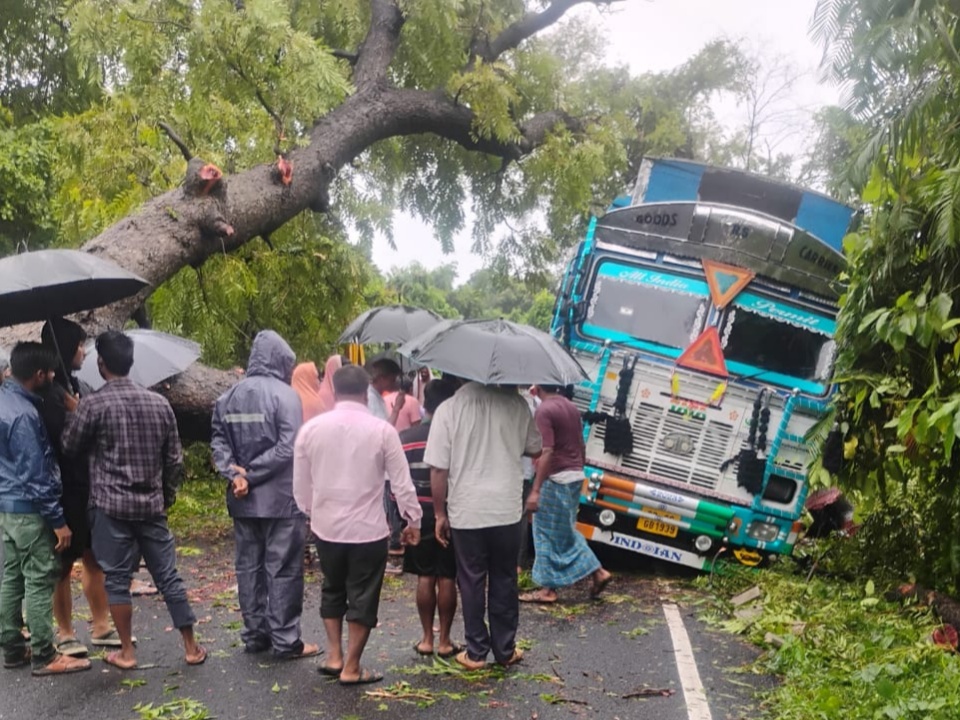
658,527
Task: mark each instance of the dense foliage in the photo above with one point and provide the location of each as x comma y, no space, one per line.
898,327
845,652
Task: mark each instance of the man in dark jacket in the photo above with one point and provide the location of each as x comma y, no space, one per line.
32,525
67,339
255,424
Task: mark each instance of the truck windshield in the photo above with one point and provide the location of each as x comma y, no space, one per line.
644,304
765,334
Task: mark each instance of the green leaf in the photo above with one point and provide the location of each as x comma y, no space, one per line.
908,323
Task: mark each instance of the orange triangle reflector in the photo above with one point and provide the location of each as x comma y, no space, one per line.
725,281
705,354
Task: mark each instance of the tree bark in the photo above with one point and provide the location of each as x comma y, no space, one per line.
188,225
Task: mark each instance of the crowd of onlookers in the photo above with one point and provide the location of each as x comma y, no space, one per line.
382,472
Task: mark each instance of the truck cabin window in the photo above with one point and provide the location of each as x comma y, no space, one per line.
660,314
777,346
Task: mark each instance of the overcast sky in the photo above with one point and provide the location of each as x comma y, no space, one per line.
657,35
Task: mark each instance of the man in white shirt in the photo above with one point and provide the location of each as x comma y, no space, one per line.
476,443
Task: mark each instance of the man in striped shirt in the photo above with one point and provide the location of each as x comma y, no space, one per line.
435,565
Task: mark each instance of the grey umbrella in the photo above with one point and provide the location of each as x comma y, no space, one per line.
495,352
156,357
38,285
389,324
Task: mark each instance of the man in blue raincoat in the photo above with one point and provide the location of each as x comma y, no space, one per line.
255,424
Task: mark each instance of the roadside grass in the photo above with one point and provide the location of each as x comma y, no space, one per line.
200,512
846,653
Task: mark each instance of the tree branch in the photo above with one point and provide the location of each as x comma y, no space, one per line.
379,46
529,25
277,120
184,150
350,57
415,112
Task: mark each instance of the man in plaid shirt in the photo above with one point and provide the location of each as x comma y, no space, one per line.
136,462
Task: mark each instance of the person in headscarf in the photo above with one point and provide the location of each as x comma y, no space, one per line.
4,365
327,398
67,339
306,381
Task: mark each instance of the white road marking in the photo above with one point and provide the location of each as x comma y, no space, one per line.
693,693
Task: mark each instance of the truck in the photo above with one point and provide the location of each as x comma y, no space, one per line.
702,306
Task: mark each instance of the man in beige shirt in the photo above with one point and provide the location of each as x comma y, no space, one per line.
476,443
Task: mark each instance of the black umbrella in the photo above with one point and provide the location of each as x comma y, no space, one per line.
36,286
495,352
156,357
389,324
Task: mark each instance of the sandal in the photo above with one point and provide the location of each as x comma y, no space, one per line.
599,587
111,639
20,662
454,650
330,671
71,647
468,662
308,650
514,659
538,596
366,678
422,653
62,665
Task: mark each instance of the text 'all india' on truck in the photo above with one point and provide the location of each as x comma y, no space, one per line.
703,307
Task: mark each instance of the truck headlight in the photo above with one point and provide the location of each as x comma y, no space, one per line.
762,531
607,517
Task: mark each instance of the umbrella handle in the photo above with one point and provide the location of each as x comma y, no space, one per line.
56,345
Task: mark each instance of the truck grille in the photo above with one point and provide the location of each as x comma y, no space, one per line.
676,447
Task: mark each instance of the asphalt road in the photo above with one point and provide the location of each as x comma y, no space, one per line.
586,659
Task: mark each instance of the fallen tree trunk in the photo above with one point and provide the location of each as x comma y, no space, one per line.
192,394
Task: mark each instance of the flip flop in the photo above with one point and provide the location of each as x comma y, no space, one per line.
111,638
418,651
537,597
111,659
367,677
600,587
454,650
62,665
330,671
306,652
71,647
202,659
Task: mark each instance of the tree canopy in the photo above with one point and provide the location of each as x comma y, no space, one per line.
505,110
